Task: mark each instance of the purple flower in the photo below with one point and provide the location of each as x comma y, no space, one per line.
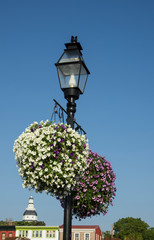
71,154
97,176
96,188
84,145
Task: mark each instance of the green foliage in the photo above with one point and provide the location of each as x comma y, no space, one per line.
17,238
110,238
107,234
2,223
134,236
33,223
23,223
149,234
6,222
130,228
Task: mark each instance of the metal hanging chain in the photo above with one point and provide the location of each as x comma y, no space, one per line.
58,111
54,113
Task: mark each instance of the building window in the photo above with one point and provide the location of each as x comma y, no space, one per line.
3,236
36,233
87,237
54,234
10,235
23,232
33,234
50,234
76,236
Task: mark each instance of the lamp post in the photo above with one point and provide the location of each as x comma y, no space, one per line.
73,74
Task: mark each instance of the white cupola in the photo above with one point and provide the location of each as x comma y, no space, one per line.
30,213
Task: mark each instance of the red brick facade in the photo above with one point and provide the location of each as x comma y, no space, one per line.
7,231
83,232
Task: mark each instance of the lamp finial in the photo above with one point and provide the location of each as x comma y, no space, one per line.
74,39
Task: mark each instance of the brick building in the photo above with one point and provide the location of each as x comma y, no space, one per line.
7,231
83,232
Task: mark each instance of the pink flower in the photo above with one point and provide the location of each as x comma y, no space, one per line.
96,190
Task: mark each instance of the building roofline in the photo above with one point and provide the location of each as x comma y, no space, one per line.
82,226
34,227
7,227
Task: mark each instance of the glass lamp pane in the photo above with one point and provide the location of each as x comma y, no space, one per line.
68,75
70,56
69,69
83,79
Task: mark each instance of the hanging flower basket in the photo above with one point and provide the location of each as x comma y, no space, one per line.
95,190
50,157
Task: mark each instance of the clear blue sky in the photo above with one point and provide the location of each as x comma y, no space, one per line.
116,111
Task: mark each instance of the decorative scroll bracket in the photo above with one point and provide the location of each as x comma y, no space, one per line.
59,111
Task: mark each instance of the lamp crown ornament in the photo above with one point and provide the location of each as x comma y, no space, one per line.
74,44
74,39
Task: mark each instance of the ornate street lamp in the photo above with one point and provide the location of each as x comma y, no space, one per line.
73,74
72,71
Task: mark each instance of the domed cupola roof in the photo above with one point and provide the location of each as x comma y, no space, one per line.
30,213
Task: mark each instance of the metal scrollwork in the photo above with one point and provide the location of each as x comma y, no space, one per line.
59,113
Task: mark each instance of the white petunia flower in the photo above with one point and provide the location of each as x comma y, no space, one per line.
49,157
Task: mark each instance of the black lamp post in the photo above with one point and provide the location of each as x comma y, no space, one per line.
73,74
